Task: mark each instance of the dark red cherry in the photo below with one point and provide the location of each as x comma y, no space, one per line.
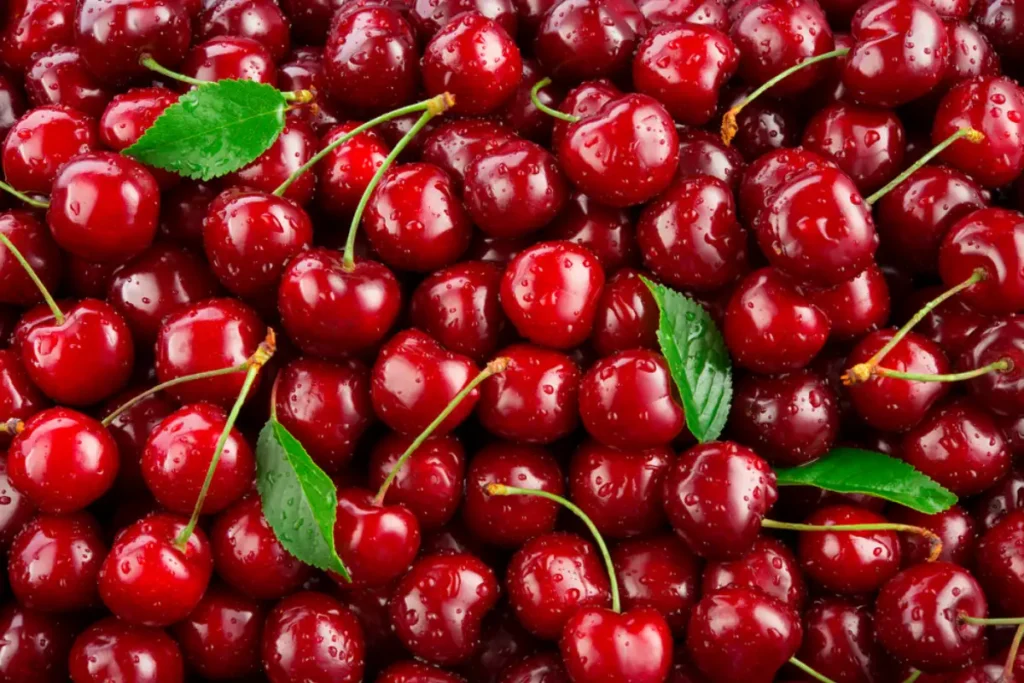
330,311
19,398
370,605
59,76
614,161
376,542
31,238
437,608
41,142
769,567
229,58
539,668
550,578
704,154
32,26
509,521
604,230
260,20
1000,21
702,12
715,496
839,642
986,239
848,562
414,220
296,145
429,484
627,315
304,71
690,238
741,634
628,401
599,644
89,279
765,125
768,173
183,209
1000,392
112,649
770,326
430,16
971,53
453,145
582,101
503,640
411,671
476,61
33,646
954,527
997,560
619,490
346,171
585,39
549,292
113,35
12,102
311,636
15,508
918,617
147,579
992,106
658,573
221,637
520,113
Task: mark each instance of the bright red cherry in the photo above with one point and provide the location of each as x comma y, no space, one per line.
659,573
59,76
767,174
32,26
582,101
954,527
346,171
986,239
848,562
601,645
229,58
33,646
769,567
454,144
261,20
311,636
31,238
128,115
839,642
376,542
296,145
41,142
112,649
429,484
855,307
585,39
221,637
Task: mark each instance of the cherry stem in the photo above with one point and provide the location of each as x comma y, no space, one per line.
258,360
991,621
496,489
496,366
936,542
297,96
729,125
57,315
862,372
1001,365
914,675
969,133
534,97
1011,656
809,671
12,426
433,107
34,203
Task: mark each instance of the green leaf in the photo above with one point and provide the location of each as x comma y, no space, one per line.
213,129
299,499
852,470
698,360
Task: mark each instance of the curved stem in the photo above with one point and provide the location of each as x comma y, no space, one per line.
862,371
1011,656
729,125
57,315
991,621
153,65
435,106
12,426
34,203
535,98
882,526
809,671
106,422
494,367
503,490
969,133
914,675
1001,365
259,359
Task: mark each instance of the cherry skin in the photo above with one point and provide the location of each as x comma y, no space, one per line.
917,617
41,142
628,401
839,642
615,162
437,608
690,238
209,335
520,113
769,567
742,634
550,578
702,153
604,230
113,649
147,580
627,315
229,58
59,76
454,144
34,646
377,543
997,560
509,521
310,636
260,20
1000,22
601,645
415,672
986,239
346,171
31,238
296,145
658,573
476,61
954,527
538,668
1000,500
715,496
430,17
856,307
1001,393
971,54
19,398
764,125
429,484
62,461
848,562
586,39
183,209
221,637
703,12
619,490
582,101
32,26
768,173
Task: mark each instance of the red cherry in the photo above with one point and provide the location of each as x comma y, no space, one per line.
1000,21
15,508
147,579
31,238
453,145
704,154
310,636
848,562
32,26
33,646
604,230
954,527
428,17
346,171
221,637
229,58
700,12
376,542
41,142
768,173
128,115
839,642
986,239
585,39
304,71
295,146
522,115
59,76
429,484
111,649
997,502
764,125
627,315
582,101
658,573
600,645
260,20
997,560
1000,392
768,567
971,53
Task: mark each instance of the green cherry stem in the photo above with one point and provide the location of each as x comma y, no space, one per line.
1011,655
34,203
493,368
496,489
1001,365
57,315
882,526
969,133
729,125
809,671
914,675
862,372
12,426
991,621
258,360
535,98
297,96
434,107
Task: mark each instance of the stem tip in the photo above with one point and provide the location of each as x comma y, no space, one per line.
496,489
729,125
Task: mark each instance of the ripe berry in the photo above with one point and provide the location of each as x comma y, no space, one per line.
632,646
848,562
839,642
295,146
310,635
260,20
229,58
346,171
59,76
658,573
997,561
376,542
585,39
769,567
41,142
33,646
429,484
31,238
221,637
986,239
867,144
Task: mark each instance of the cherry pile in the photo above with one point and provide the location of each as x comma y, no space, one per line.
451,311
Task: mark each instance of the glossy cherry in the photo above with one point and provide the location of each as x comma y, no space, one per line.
128,115
429,17
954,527
32,26
296,145
429,484
606,231
769,567
309,635
261,20
586,39
111,648
768,173
346,171
658,573
31,238
454,144
229,58
19,398
839,642
221,637
996,561
1000,500
33,646
627,315
999,21
582,101
1000,392
376,542
601,645
59,76
848,562
855,307
42,141
764,125
986,239
702,153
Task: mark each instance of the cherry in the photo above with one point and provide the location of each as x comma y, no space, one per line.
41,142
715,496
332,311
603,645
376,542
412,671
33,646
604,230
658,573
522,115
614,161
970,54
999,21
59,76
701,12
229,58
127,116
304,71
766,174
627,315
309,636
550,578
260,20
581,102
210,335
986,240
111,649
740,634
346,171
33,26
585,39
453,145
295,146
221,637
989,105
763,126
690,238
429,484
511,521
769,567
997,560
839,642
619,490
1000,500
183,209
428,17
919,617
19,398
148,579
33,241
539,668
475,60
437,608
704,154
954,527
